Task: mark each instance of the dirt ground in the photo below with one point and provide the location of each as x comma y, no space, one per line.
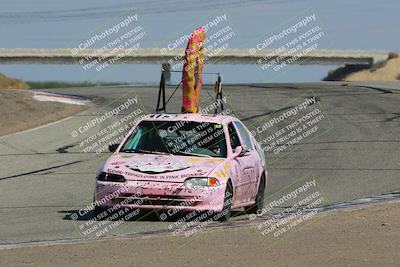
19,111
367,236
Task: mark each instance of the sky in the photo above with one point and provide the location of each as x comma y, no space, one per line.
347,25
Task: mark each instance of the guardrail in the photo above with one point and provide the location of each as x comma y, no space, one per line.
154,56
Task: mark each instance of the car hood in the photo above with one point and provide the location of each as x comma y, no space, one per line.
151,167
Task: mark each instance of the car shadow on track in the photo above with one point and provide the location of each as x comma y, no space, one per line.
137,215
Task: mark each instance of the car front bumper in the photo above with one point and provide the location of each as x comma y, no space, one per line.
159,195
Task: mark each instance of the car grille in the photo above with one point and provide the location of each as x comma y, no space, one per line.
163,200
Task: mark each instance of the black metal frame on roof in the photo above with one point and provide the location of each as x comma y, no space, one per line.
162,103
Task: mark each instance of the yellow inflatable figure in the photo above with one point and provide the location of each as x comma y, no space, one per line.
192,72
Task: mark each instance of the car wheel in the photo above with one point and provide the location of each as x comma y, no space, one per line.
97,210
258,206
226,212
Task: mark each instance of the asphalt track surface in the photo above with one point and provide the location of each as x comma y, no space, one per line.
45,176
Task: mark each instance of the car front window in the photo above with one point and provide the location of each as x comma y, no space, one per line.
177,138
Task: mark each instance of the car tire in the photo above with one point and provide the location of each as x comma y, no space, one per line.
258,206
97,210
226,212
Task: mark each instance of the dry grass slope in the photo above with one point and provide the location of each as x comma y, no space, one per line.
388,70
10,83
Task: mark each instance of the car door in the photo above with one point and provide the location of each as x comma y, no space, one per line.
251,167
243,168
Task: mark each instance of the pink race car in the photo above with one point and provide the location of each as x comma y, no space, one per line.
184,162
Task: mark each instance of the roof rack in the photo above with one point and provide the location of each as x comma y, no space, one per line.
166,74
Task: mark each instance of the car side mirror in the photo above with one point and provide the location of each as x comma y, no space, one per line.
244,151
240,151
113,147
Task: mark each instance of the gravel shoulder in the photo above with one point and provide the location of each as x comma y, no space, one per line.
366,236
19,111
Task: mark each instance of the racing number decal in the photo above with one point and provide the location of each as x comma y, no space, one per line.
162,116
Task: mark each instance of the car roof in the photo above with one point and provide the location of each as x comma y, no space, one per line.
222,119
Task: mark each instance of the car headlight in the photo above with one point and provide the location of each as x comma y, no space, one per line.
201,181
109,177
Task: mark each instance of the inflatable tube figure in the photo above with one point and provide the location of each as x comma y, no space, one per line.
192,72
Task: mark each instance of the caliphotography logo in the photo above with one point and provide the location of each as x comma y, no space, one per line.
201,133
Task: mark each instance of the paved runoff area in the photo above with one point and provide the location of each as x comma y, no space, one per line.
339,140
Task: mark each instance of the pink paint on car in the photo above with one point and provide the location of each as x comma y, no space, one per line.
185,162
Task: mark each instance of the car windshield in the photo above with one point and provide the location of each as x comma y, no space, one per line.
202,139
